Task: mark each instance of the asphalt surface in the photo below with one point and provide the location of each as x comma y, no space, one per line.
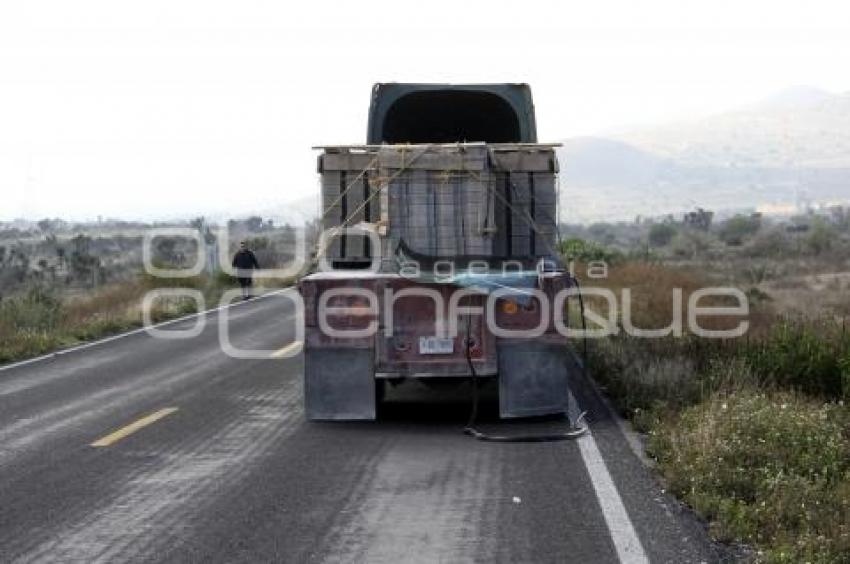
236,474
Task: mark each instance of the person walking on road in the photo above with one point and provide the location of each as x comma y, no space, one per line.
245,262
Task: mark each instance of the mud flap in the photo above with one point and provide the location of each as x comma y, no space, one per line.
533,378
339,384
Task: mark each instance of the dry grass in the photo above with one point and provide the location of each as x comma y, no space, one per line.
652,290
812,295
114,301
653,286
39,322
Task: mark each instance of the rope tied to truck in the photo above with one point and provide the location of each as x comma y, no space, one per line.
382,183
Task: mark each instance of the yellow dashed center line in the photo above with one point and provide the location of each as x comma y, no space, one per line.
133,427
291,349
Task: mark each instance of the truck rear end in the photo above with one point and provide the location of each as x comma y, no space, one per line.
438,258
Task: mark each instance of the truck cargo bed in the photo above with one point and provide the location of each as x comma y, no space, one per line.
441,200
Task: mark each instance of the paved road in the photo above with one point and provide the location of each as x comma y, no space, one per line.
236,474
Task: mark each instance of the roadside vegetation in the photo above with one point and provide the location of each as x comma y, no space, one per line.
61,285
753,433
41,321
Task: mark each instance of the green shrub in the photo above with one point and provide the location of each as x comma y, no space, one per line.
37,310
99,327
27,343
844,366
812,357
804,356
820,238
660,234
576,249
771,470
736,229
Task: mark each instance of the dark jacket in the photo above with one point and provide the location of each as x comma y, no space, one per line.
245,260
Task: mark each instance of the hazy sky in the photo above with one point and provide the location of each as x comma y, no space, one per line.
166,108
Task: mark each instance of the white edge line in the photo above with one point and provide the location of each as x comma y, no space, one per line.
620,528
133,332
626,541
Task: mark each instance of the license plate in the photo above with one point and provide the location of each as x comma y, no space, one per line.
435,345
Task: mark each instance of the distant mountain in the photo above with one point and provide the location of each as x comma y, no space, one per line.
793,97
795,127
791,149
608,161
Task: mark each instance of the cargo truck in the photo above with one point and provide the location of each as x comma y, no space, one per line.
438,259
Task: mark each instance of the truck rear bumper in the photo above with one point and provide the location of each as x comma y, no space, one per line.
534,379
